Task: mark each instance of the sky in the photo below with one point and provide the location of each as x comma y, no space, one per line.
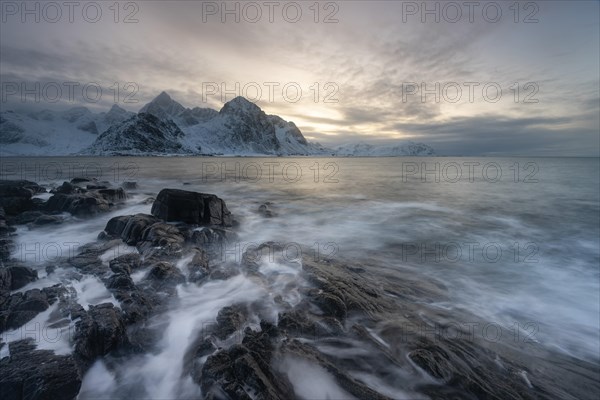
467,78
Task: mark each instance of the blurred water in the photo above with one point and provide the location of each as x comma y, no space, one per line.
516,240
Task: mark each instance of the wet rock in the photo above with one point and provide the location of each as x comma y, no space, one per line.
356,388
229,320
47,220
5,280
20,308
198,269
165,271
21,276
5,229
7,246
16,196
191,207
161,235
329,303
126,263
164,276
66,188
129,227
244,371
266,210
90,202
25,217
37,374
100,331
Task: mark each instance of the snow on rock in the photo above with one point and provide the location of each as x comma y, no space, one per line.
164,126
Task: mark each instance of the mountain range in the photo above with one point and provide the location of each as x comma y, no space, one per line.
165,127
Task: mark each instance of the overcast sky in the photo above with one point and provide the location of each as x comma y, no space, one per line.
355,63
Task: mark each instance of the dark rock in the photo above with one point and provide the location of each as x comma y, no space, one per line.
125,263
66,188
191,207
90,202
113,195
229,320
5,280
331,304
120,281
166,237
20,308
100,331
21,276
198,267
244,369
129,227
25,217
15,196
6,248
47,220
356,388
37,374
129,185
165,272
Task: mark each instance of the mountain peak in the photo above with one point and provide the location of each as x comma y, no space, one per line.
240,104
162,99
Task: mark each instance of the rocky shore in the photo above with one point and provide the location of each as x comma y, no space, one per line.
373,332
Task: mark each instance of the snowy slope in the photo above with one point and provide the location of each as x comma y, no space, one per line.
142,134
164,126
54,133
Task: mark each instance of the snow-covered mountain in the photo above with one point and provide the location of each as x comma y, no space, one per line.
142,134
368,150
49,132
164,126
164,107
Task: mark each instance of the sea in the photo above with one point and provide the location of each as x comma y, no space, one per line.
514,240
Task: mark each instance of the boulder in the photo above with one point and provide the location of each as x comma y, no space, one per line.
21,276
88,202
191,207
100,331
129,227
37,374
245,368
16,196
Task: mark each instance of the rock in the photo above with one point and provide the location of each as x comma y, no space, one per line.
47,220
191,207
66,188
165,272
90,202
125,263
129,185
161,240
266,211
5,280
25,217
37,374
331,304
130,227
244,371
229,320
16,196
100,331
356,388
20,308
6,248
198,267
21,276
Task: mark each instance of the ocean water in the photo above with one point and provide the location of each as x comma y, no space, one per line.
514,240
